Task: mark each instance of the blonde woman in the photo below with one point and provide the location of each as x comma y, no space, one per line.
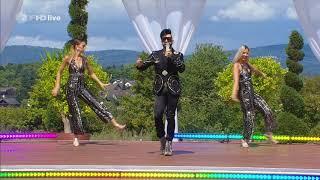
243,92
77,64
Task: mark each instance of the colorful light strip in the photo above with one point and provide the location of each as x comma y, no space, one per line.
28,136
7,150
160,175
238,137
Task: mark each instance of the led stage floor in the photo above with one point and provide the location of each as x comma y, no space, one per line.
208,156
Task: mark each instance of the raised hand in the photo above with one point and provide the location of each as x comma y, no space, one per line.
105,86
235,98
139,62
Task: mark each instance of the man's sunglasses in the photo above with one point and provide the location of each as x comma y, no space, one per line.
167,38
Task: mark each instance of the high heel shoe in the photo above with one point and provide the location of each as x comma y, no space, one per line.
162,145
168,148
120,127
75,142
244,144
117,125
270,139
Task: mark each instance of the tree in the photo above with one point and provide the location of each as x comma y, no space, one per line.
77,28
13,119
51,108
311,96
27,75
201,110
20,76
293,103
137,110
289,124
124,71
202,68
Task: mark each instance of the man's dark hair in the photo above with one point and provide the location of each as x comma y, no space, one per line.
246,47
165,32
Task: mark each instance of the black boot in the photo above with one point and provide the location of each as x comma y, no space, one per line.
162,145
168,149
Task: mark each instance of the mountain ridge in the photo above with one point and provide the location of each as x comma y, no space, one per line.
30,54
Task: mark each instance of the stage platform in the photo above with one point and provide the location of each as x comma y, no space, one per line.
125,159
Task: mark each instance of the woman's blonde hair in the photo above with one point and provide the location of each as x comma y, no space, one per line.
239,53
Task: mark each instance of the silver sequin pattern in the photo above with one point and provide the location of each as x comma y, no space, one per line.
250,103
75,90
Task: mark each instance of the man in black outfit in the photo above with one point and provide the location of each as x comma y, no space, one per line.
167,63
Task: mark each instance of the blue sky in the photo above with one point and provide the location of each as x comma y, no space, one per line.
228,23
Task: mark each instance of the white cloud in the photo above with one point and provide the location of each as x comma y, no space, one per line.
99,10
103,43
252,10
291,13
214,18
35,41
46,6
94,43
247,10
30,9
227,42
105,6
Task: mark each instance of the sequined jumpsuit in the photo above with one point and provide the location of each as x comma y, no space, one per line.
75,89
250,102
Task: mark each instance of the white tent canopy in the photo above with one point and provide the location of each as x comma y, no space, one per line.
308,12
150,17
9,11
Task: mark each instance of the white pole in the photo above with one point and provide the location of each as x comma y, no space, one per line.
176,125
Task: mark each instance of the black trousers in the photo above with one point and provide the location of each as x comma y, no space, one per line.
165,102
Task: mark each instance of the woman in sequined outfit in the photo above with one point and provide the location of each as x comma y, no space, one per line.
243,92
77,64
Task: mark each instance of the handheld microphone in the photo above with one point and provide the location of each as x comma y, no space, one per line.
168,51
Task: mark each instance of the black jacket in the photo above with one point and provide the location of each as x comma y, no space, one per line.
166,69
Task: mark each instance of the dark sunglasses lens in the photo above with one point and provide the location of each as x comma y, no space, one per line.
167,38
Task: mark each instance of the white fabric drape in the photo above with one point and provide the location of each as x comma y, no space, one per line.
308,12
9,11
149,17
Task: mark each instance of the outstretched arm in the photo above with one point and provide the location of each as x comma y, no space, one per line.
236,76
94,77
256,71
143,65
56,88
